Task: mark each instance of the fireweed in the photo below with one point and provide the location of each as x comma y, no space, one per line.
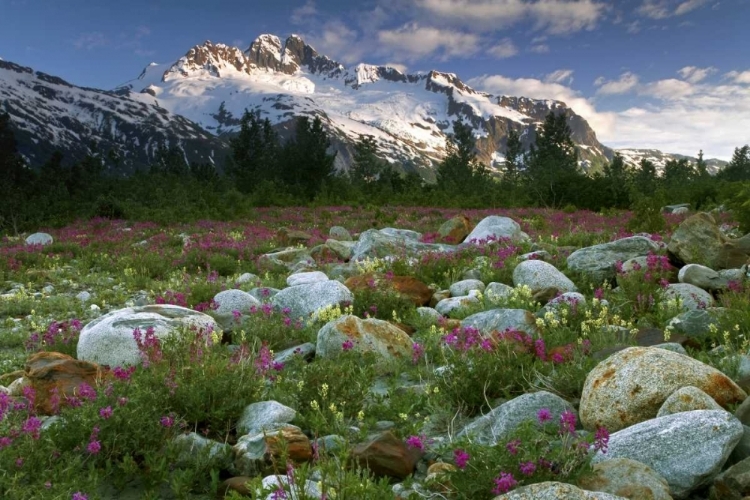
544,449
124,428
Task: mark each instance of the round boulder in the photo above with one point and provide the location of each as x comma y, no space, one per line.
364,335
39,239
108,340
497,228
631,385
538,274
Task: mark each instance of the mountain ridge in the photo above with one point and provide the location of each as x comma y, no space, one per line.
197,102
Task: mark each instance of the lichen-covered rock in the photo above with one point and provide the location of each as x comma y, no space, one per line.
264,416
389,242
537,274
232,300
455,230
306,278
340,233
698,240
304,300
496,227
451,305
687,449
628,479
631,385
498,424
692,297
702,277
463,287
502,319
108,340
551,490
687,398
365,335
598,262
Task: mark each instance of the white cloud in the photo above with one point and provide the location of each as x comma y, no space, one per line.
688,6
302,15
504,49
538,89
539,48
414,41
564,76
401,67
661,9
552,16
655,9
89,41
668,90
739,77
336,40
694,74
627,82
683,118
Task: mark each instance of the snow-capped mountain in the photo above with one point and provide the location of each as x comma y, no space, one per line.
48,114
409,115
196,103
633,157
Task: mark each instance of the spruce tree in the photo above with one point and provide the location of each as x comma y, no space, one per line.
615,180
255,152
738,168
366,166
460,172
513,156
552,166
307,164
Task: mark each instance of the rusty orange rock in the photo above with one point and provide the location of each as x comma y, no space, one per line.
47,371
407,286
455,230
387,455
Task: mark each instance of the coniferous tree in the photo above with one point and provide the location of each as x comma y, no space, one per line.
615,180
366,167
701,168
552,165
738,168
644,181
307,164
255,152
460,172
678,173
513,157
17,180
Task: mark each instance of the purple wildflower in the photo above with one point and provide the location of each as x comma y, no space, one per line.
568,422
415,442
544,415
504,483
527,468
460,458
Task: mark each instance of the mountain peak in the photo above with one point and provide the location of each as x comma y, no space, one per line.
208,59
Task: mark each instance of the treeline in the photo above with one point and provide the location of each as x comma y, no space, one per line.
263,170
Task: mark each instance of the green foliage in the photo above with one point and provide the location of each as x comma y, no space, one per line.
647,216
552,173
460,172
534,452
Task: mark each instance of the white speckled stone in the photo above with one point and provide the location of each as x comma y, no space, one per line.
108,340
687,449
307,278
304,300
39,239
498,227
463,287
234,300
538,274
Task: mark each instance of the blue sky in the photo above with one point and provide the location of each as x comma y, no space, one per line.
668,74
